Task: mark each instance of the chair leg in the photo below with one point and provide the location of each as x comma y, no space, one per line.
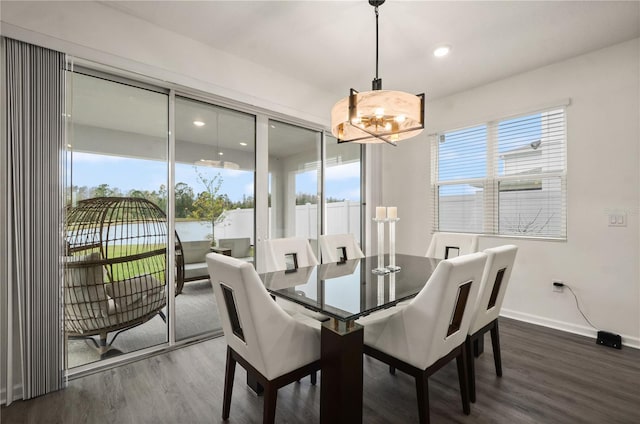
314,378
478,346
392,370
229,373
471,370
461,361
270,400
422,392
495,342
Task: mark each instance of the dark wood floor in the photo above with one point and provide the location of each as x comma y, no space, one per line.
549,377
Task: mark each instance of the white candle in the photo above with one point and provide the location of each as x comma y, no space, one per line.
392,212
381,212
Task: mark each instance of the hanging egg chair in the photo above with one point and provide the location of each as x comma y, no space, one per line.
115,271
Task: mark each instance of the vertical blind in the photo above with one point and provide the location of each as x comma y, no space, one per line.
505,177
30,219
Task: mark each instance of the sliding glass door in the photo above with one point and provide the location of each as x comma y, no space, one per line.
214,202
294,182
115,263
126,177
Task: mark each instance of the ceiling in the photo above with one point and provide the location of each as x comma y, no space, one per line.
331,44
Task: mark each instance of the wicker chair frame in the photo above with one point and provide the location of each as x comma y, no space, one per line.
115,269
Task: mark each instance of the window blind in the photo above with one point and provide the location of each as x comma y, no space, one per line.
505,177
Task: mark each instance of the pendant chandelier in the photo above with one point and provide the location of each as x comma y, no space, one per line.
377,116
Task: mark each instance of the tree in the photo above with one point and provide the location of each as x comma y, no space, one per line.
184,200
209,204
158,197
103,190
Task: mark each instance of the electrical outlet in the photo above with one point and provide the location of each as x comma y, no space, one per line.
558,286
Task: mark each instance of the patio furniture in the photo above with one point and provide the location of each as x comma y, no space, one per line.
195,265
115,270
240,247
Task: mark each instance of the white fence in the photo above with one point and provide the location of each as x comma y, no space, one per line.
342,217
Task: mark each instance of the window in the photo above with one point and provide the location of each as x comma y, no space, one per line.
505,177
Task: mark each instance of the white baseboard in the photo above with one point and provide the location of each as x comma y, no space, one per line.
627,340
17,394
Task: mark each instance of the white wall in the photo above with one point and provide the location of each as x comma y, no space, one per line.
600,262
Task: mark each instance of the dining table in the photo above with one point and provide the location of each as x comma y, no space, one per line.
344,292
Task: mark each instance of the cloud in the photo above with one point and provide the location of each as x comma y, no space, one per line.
233,173
343,171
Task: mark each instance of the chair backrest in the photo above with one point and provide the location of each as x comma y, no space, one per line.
194,252
495,279
437,320
253,324
277,253
333,247
240,247
451,245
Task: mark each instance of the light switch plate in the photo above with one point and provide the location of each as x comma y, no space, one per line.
618,220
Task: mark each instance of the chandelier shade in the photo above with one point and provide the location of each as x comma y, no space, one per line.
378,116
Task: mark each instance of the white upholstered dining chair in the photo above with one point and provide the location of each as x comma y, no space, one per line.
276,348
431,330
449,245
495,279
339,248
276,252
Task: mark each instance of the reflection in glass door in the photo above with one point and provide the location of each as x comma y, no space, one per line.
294,182
214,202
342,188
116,229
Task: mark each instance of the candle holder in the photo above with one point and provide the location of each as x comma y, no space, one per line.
392,267
392,287
380,297
380,270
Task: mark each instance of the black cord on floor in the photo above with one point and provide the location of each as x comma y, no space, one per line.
579,308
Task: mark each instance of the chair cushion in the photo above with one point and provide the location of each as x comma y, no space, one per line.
84,292
195,270
130,291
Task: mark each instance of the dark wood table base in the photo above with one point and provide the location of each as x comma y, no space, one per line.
342,376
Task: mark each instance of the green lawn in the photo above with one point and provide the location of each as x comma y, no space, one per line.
153,265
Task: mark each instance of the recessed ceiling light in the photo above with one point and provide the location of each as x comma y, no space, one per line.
198,123
441,51
242,143
273,126
220,153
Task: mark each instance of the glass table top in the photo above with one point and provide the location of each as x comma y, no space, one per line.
349,290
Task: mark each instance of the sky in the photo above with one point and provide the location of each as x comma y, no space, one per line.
91,170
463,153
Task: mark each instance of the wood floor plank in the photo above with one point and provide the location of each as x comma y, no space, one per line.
549,377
